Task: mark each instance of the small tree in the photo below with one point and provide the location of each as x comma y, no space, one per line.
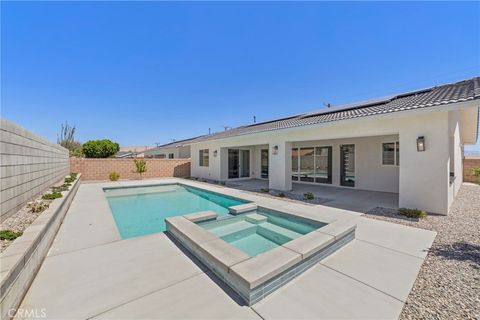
100,148
66,139
476,172
140,166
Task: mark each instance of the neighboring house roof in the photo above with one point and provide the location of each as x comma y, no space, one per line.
174,144
432,97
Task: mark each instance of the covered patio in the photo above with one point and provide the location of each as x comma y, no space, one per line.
336,197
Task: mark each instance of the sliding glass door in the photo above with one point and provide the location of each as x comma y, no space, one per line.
264,163
238,163
312,164
347,165
323,164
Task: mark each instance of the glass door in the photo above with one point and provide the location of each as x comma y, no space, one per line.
264,163
307,173
244,163
233,163
323,164
295,164
347,165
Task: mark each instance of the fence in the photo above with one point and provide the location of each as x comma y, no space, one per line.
469,163
29,165
100,169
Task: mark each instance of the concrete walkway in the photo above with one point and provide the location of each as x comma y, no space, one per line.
330,196
91,273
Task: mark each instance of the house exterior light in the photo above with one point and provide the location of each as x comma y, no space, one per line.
215,152
275,149
421,143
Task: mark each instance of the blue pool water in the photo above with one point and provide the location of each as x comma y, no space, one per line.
260,232
142,210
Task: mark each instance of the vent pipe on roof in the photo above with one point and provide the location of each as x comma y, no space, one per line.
254,119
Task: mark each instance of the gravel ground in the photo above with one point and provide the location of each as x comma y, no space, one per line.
18,222
448,285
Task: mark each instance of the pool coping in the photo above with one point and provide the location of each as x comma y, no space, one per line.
253,278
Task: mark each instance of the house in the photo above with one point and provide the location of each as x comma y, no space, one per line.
410,144
132,152
175,150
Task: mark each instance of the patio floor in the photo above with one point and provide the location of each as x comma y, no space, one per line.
337,197
90,272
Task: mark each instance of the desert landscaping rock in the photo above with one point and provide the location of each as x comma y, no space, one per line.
448,285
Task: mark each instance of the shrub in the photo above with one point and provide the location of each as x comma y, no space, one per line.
281,195
63,187
265,190
37,206
100,148
113,176
9,234
71,178
140,166
412,213
476,172
51,196
308,196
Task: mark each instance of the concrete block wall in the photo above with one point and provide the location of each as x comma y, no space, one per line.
29,165
100,169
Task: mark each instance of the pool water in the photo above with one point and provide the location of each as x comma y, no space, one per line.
142,210
255,233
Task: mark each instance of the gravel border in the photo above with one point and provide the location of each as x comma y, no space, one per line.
448,284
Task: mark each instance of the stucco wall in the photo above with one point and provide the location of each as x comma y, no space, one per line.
423,177
29,165
100,169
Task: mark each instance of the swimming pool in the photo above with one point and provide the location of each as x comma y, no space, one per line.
260,231
142,210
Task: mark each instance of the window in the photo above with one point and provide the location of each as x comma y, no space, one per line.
171,156
203,158
160,156
390,153
295,164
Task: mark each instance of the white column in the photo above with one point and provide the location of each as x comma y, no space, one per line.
280,166
424,176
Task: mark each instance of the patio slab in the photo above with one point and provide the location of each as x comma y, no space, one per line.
386,270
92,272
198,297
83,283
323,293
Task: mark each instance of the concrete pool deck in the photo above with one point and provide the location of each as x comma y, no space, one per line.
90,272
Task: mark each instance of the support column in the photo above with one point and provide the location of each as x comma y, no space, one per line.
280,166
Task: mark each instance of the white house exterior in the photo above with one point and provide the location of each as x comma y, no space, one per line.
375,145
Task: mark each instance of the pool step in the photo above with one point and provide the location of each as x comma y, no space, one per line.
266,226
234,227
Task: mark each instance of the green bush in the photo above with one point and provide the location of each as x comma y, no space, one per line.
476,172
63,187
412,213
308,196
38,206
100,148
9,234
265,190
71,178
140,166
51,196
281,195
113,176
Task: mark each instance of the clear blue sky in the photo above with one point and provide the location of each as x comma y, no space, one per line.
140,73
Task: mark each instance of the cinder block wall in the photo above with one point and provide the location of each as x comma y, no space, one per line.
100,169
29,165
469,163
